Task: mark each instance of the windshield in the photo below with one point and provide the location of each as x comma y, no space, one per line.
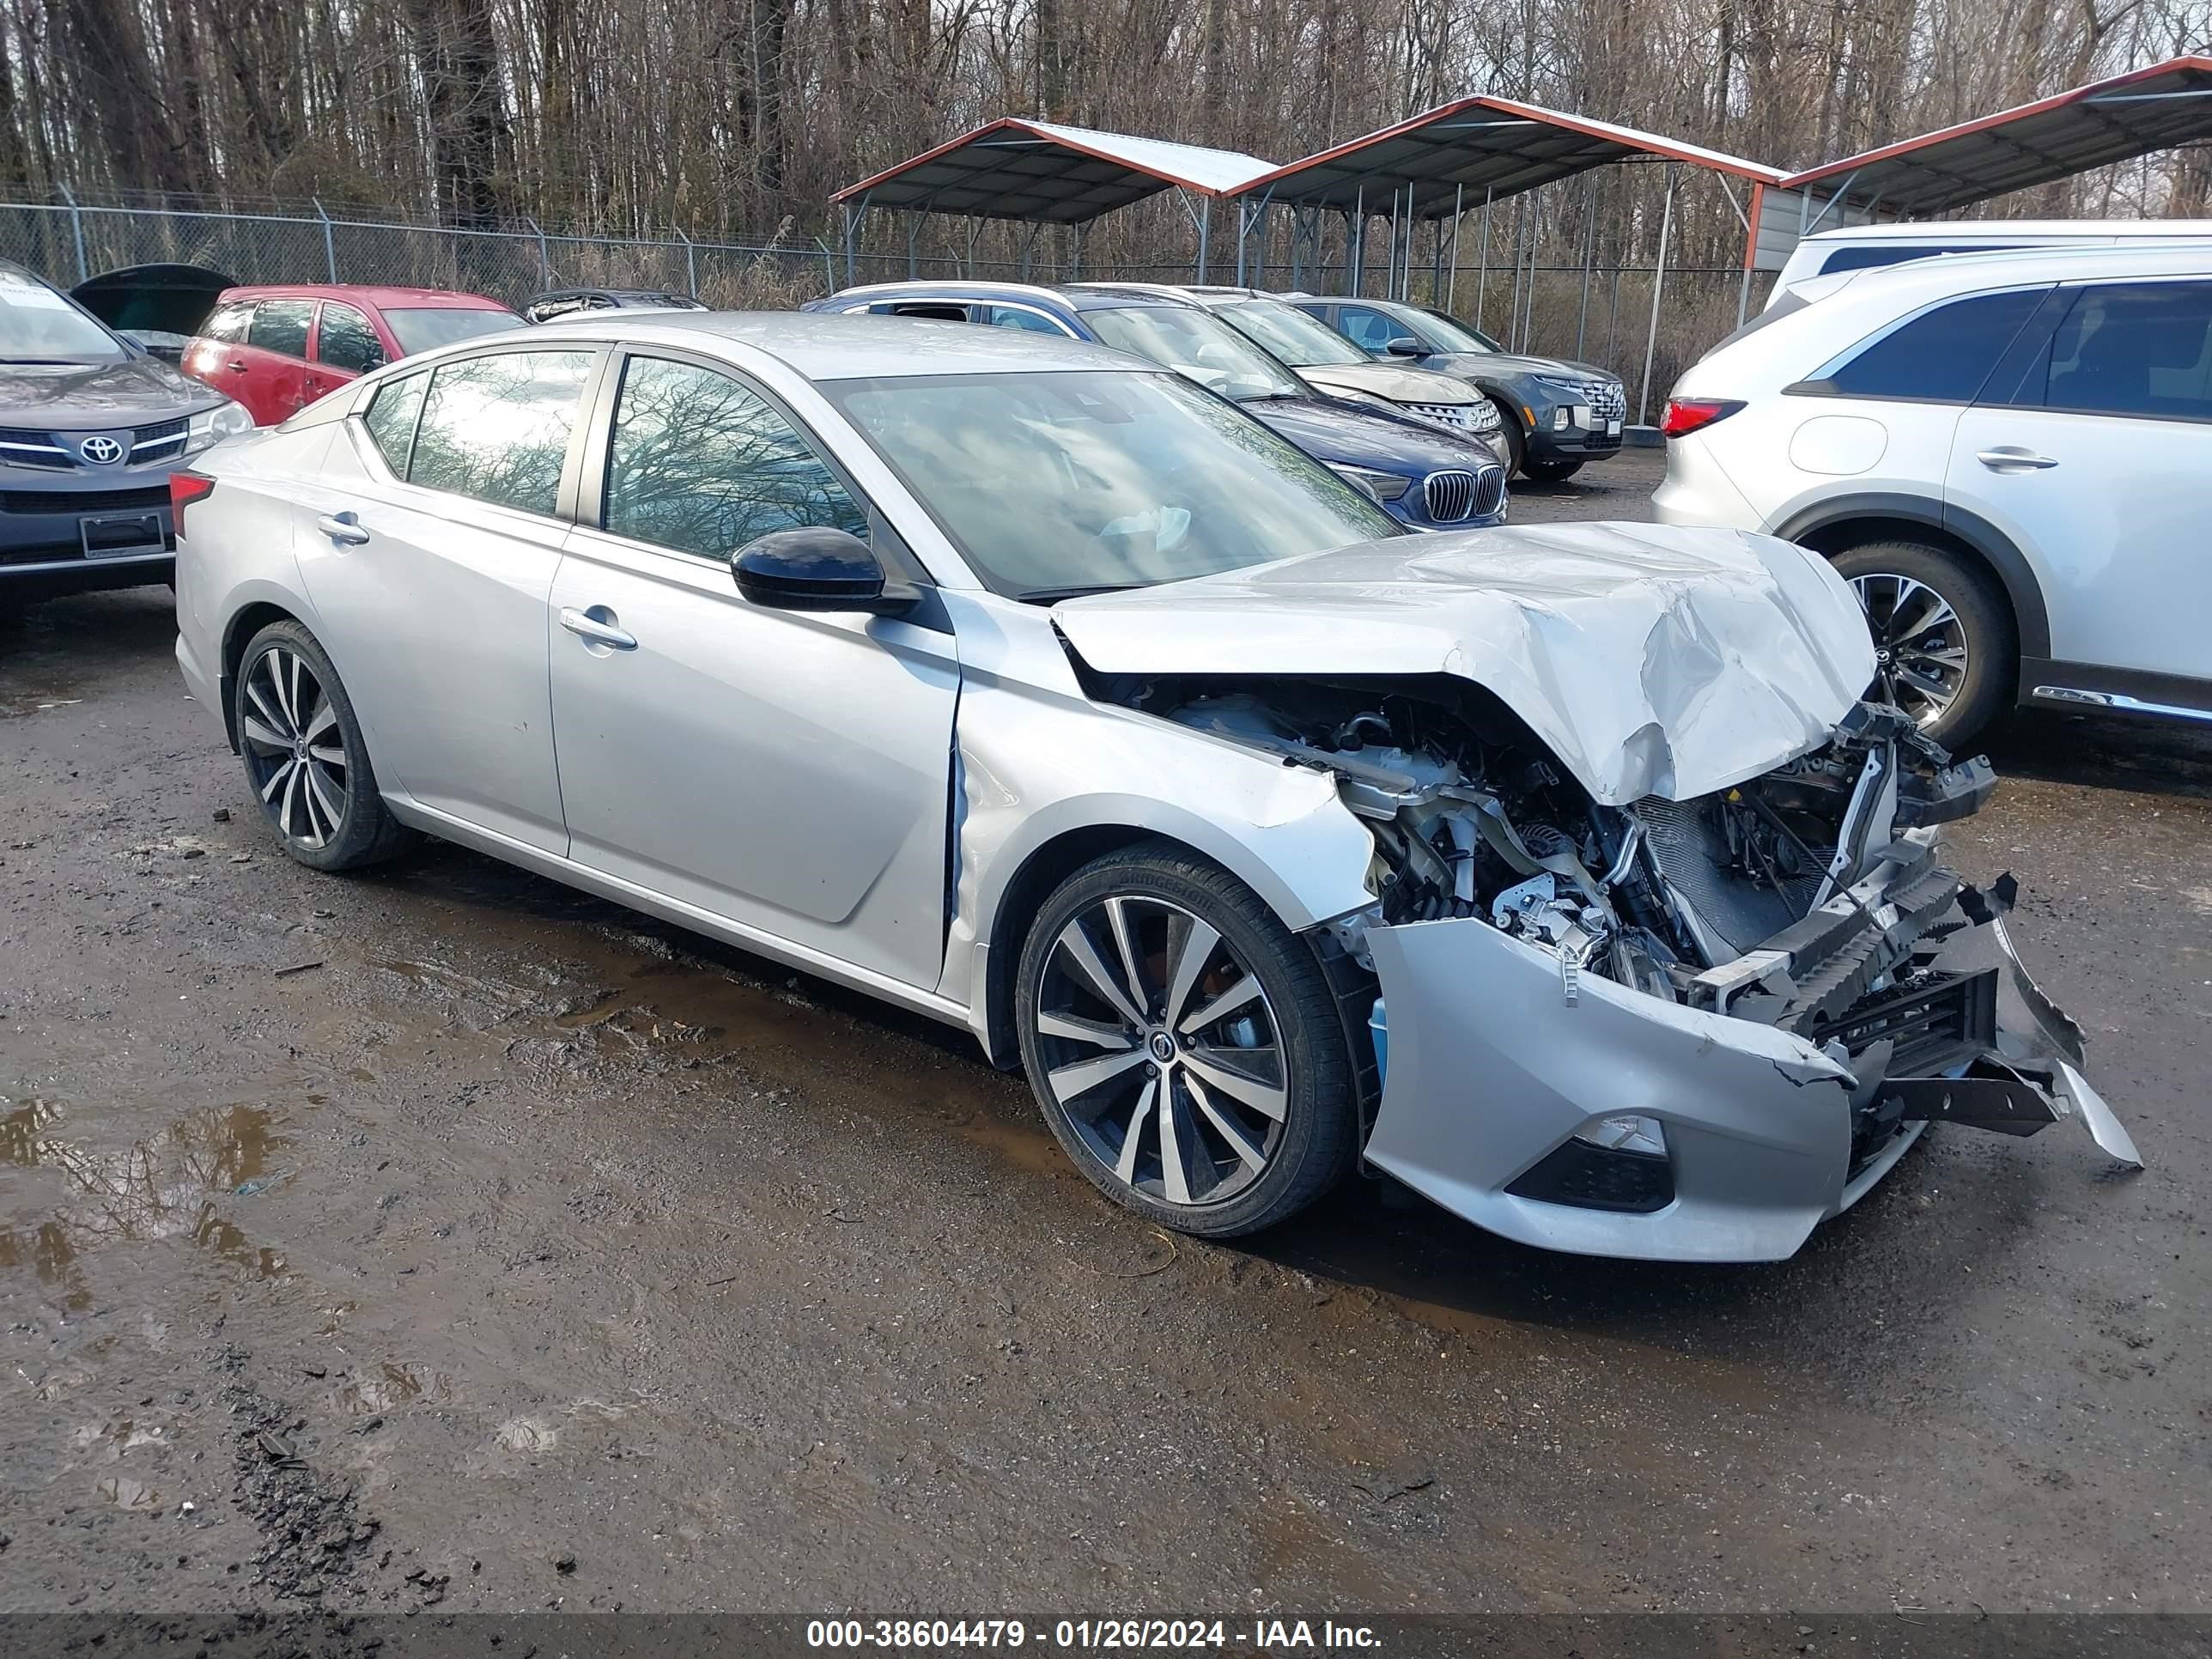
1198,345
1301,341
422,327
1453,334
1056,484
38,325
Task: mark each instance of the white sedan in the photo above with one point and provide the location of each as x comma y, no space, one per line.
1559,873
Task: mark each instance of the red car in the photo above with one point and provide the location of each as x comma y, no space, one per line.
278,348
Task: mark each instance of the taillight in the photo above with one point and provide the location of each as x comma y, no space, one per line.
184,489
1684,415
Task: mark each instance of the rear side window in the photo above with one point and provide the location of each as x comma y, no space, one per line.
701,463
229,323
281,326
346,339
2142,348
496,427
391,419
1941,355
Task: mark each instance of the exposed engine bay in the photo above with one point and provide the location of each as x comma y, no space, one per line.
1809,899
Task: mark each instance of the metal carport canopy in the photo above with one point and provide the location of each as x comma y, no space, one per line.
2164,106
1475,146
1041,172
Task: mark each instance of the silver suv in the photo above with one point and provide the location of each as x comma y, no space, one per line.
91,426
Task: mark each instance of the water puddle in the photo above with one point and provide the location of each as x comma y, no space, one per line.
169,1186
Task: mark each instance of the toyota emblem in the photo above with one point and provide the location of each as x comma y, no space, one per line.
101,451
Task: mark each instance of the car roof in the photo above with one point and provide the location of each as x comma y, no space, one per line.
2005,267
1936,230
830,345
370,292
1083,296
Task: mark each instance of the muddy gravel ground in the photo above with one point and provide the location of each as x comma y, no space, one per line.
441,1237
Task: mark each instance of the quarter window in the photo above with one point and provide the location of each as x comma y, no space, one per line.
347,340
700,464
391,419
281,326
1941,355
2141,348
496,427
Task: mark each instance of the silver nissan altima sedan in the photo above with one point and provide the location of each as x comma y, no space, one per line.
1558,872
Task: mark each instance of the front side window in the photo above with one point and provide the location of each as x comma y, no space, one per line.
346,340
229,322
1198,345
281,326
1369,329
391,419
2142,348
496,427
1016,317
1087,479
700,464
1941,355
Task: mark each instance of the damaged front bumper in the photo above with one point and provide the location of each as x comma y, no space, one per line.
1813,1064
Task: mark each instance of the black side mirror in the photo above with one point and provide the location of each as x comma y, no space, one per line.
1405,345
818,569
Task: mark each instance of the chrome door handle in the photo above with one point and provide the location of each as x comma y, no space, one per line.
597,627
235,367
2011,457
342,528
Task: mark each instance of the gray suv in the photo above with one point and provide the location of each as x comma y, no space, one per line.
91,426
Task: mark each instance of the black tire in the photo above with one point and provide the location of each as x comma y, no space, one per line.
1549,471
1310,1147
290,773
1517,440
1984,629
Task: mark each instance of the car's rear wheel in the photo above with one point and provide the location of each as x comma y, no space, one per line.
1550,471
1943,639
305,757
1183,1044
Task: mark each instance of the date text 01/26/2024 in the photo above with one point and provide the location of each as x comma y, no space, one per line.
1258,1635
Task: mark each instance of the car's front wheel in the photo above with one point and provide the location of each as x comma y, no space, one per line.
1550,471
1183,1044
305,757
1942,638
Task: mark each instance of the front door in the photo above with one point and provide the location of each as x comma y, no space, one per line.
787,771
429,543
2098,467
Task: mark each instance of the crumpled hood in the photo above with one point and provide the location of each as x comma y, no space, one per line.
68,397
1654,659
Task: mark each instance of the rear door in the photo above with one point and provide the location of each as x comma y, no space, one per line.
2095,459
783,770
428,545
345,347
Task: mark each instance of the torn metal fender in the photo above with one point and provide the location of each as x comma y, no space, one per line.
1491,1069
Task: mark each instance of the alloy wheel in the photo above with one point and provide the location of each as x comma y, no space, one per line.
1920,644
294,752
1161,1049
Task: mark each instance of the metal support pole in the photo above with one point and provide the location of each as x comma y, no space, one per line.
691,260
975,229
913,230
1355,243
851,218
544,258
1437,267
1029,246
1536,241
330,245
1075,253
1658,288
1205,224
77,229
1589,250
1513,301
1458,214
1482,282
